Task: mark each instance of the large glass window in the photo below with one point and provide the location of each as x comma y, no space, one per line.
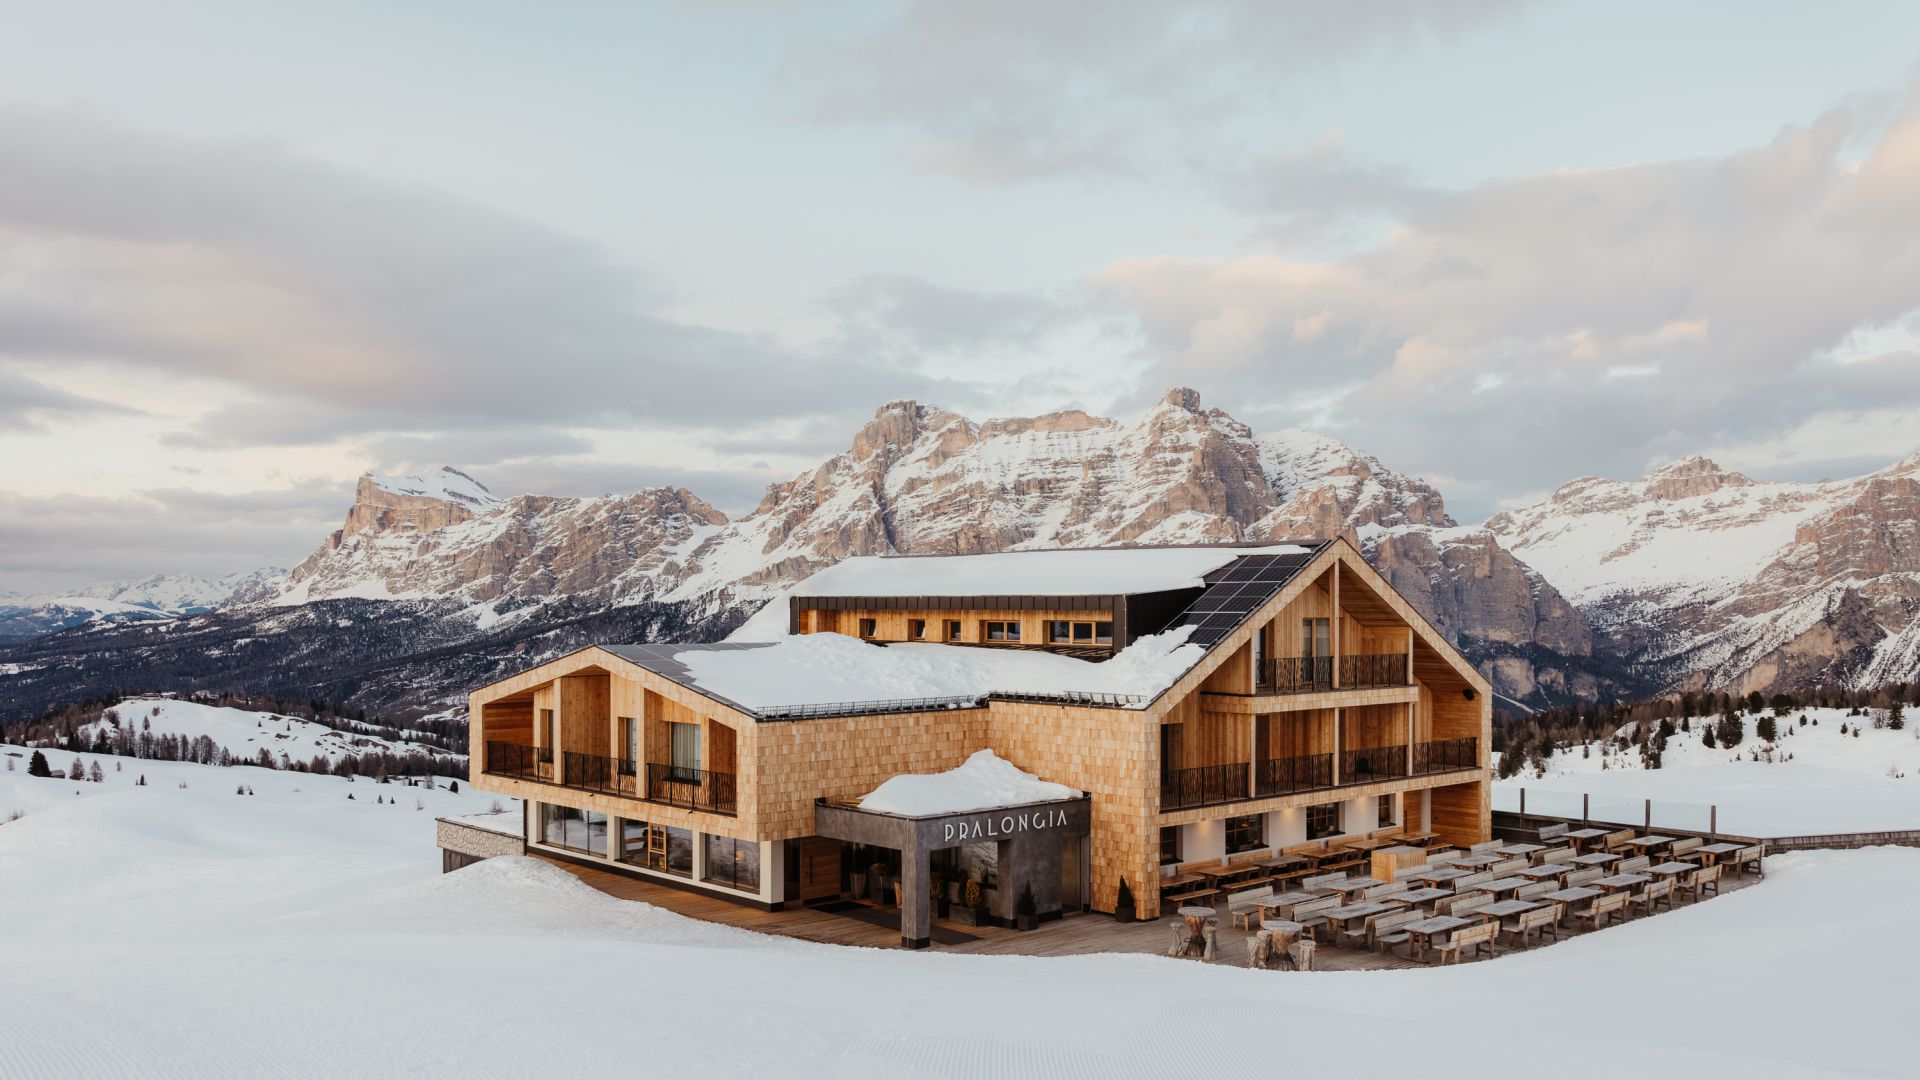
1169,844
1002,631
575,830
953,629
629,745
679,852
1386,811
1316,637
1323,821
1246,833
686,751
633,842
733,863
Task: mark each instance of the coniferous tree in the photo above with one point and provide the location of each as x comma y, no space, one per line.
77,770
1766,729
37,765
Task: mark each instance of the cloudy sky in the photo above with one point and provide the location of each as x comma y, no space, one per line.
248,251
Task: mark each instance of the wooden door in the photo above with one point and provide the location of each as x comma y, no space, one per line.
819,869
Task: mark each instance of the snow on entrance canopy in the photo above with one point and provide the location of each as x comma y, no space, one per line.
819,669
985,781
1055,572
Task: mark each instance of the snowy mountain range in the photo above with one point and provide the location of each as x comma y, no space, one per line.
1689,576
158,597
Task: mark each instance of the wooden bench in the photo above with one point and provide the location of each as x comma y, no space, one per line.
1604,909
1538,888
1616,841
1655,894
1245,906
1321,881
1581,877
1522,927
1312,914
1636,865
1552,832
1697,883
1462,904
1685,846
1751,858
1463,884
1386,890
1476,938
1383,931
1552,855
1486,845
1507,866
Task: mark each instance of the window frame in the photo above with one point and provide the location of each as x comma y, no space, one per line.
1335,810
1387,811
1008,630
868,628
954,630
1242,823
677,768
917,629
1169,839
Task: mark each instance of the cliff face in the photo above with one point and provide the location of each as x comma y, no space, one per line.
1705,577
921,480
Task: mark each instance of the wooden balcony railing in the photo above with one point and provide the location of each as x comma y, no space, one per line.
1446,755
688,789
1373,763
1206,785
1294,674
1283,776
1370,670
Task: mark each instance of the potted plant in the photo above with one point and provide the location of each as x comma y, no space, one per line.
1024,916
1123,908
972,910
937,890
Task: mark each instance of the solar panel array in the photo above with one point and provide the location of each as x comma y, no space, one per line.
1236,591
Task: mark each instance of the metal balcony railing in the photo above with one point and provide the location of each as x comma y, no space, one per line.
1294,674
1446,755
1373,763
1283,776
692,789
519,761
1205,785
1369,670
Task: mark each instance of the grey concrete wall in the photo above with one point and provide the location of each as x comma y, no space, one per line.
477,842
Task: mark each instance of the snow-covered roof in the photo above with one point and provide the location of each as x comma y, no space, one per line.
833,669
985,781
1054,572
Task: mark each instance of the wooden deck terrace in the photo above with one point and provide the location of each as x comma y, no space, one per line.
1073,935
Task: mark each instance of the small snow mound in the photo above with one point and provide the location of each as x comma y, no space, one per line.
984,781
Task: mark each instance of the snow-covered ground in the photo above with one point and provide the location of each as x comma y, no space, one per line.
160,931
243,732
1819,780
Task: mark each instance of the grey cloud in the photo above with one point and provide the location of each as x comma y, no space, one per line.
26,404
903,312
1004,90
309,283
1494,335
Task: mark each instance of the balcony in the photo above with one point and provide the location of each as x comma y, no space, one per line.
1373,764
1306,674
685,789
1206,785
1284,776
1446,755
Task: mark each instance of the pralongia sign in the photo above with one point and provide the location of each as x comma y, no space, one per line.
993,826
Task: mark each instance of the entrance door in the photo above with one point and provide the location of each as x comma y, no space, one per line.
819,860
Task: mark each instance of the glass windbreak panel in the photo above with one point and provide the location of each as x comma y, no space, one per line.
686,749
554,821
680,852
733,863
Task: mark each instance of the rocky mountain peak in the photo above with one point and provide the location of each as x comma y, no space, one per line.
1690,477
1182,397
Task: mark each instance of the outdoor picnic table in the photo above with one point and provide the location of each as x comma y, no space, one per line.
1349,886
1544,872
1362,910
1285,902
1480,861
1196,925
1672,869
1439,875
1420,934
1712,852
1515,850
1570,897
1648,843
1595,858
1503,908
1420,839
1502,885
1422,897
1622,881
1281,863
1579,837
1365,844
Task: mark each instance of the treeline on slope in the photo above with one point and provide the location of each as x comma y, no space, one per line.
128,733
1528,741
390,660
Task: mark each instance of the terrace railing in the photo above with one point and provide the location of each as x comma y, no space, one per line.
1205,785
1369,670
1372,764
1446,755
520,761
1294,674
597,772
692,789
1281,776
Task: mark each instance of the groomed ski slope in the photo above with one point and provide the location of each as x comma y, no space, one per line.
197,933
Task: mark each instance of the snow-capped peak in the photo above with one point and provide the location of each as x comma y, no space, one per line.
445,483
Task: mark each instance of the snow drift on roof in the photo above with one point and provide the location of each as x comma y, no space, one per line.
983,782
1055,572
819,669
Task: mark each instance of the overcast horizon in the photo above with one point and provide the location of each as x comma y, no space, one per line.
1499,245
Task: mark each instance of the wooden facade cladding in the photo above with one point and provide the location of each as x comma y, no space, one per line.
891,624
1114,754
